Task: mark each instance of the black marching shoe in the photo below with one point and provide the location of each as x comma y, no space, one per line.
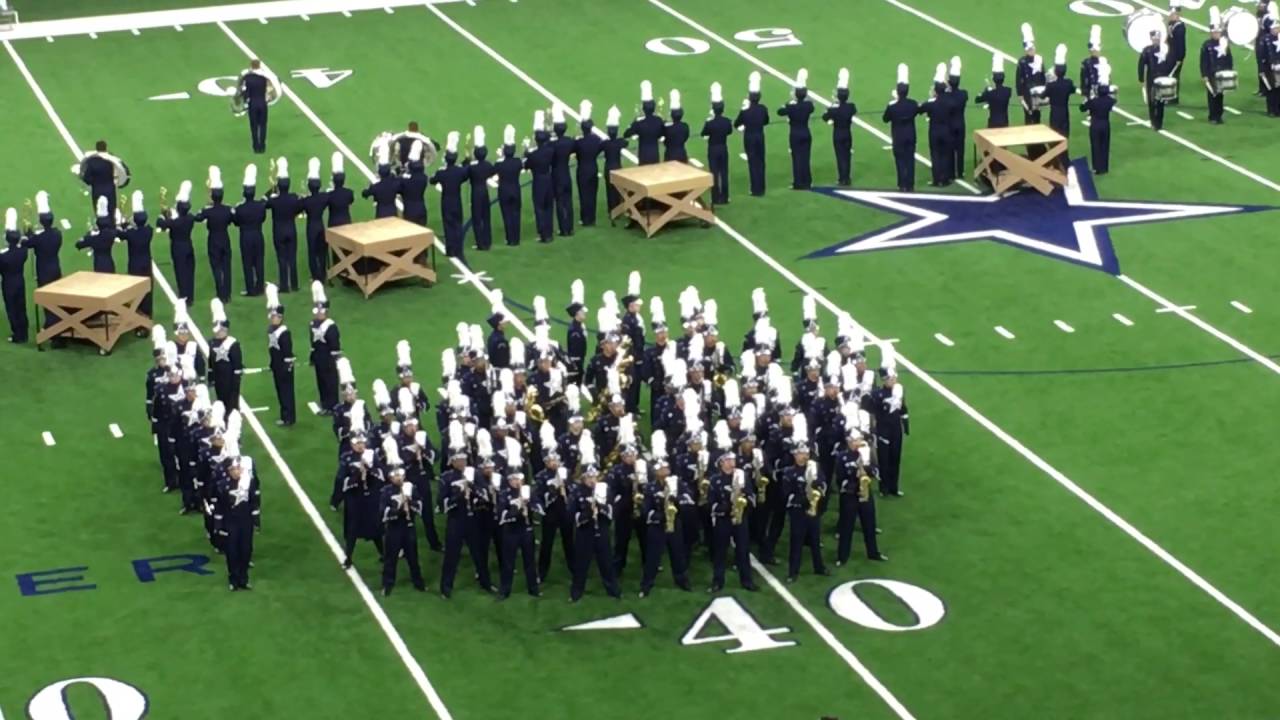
881,557
346,564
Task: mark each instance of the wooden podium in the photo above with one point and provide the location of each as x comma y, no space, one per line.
374,253
674,189
1004,168
98,307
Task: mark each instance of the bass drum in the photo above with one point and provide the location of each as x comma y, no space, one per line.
1241,26
1139,26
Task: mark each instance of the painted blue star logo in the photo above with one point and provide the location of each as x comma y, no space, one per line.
1070,224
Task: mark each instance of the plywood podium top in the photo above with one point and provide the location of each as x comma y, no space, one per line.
1020,135
382,231
92,286
663,177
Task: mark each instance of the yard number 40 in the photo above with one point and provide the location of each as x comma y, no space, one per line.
121,700
762,38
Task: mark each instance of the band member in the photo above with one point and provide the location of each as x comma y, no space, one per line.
959,100
1089,66
996,95
226,364
418,455
901,113
280,348
730,503
100,239
892,425
1215,57
326,346
803,488
400,505
314,203
45,244
1099,108
285,207
551,487
455,500
179,223
239,509
413,185
576,339
1030,73
479,171
341,197
1152,64
751,121
592,516
137,238
563,146
538,160
1060,91
798,110
612,148
386,188
659,519
361,497
1177,42
516,524
508,170
853,482
675,134
587,148
938,108
647,128
1260,43
217,218
840,117
249,216
1271,60
13,283
481,524
450,179
104,173
255,83
717,130
624,479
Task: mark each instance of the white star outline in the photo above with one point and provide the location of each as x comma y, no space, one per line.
1087,252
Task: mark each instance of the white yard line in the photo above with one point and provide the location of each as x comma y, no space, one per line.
1064,327
308,507
944,339
251,371
1174,309
314,407
260,11
1231,110
1122,319
48,438
116,432
1241,307
1031,457
1004,333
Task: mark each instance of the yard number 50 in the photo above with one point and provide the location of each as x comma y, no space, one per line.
762,38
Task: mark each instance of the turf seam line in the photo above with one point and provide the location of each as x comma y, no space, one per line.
843,652
1037,461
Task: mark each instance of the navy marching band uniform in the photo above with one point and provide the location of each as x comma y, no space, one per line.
280,350
675,134
137,238
399,506
796,483
853,483
226,362
588,148
451,178
717,130
517,537
384,191
996,97
217,218
1151,66
648,128
13,283
314,204
239,507
798,111
100,240
938,108
751,122
413,185
892,424
538,160
1099,108
591,518
959,98
508,170
45,244
361,497
1215,57
179,223
479,170
253,89
326,346
341,197
613,148
840,117
901,113
98,170
1177,45
285,208
249,216
1059,92
563,146
1029,74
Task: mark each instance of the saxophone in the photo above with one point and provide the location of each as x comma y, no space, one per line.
739,507
535,411
864,487
762,481
671,510
704,484
812,493
637,498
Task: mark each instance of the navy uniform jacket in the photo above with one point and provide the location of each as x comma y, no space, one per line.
797,114
576,345
479,171
218,219
100,242
567,448
588,149
314,206
840,116
959,100
1210,62
510,511
46,244
498,349
847,463
13,259
99,174
254,90
138,240
450,178
751,121
249,216
227,359
1099,109
413,193
674,138
199,356
508,170
397,515
794,489
539,160
889,423
384,192
717,131
563,148
1059,93
651,369
997,101
648,130
280,347
596,376
1177,42
1150,67
340,201
901,117
452,495
939,112
1025,79
613,148
633,327
1089,75
326,342
284,214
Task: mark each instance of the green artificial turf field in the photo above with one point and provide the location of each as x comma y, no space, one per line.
1088,530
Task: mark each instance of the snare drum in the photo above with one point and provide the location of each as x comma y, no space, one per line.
1226,80
1038,98
1165,89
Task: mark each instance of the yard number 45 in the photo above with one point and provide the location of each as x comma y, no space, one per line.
762,38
